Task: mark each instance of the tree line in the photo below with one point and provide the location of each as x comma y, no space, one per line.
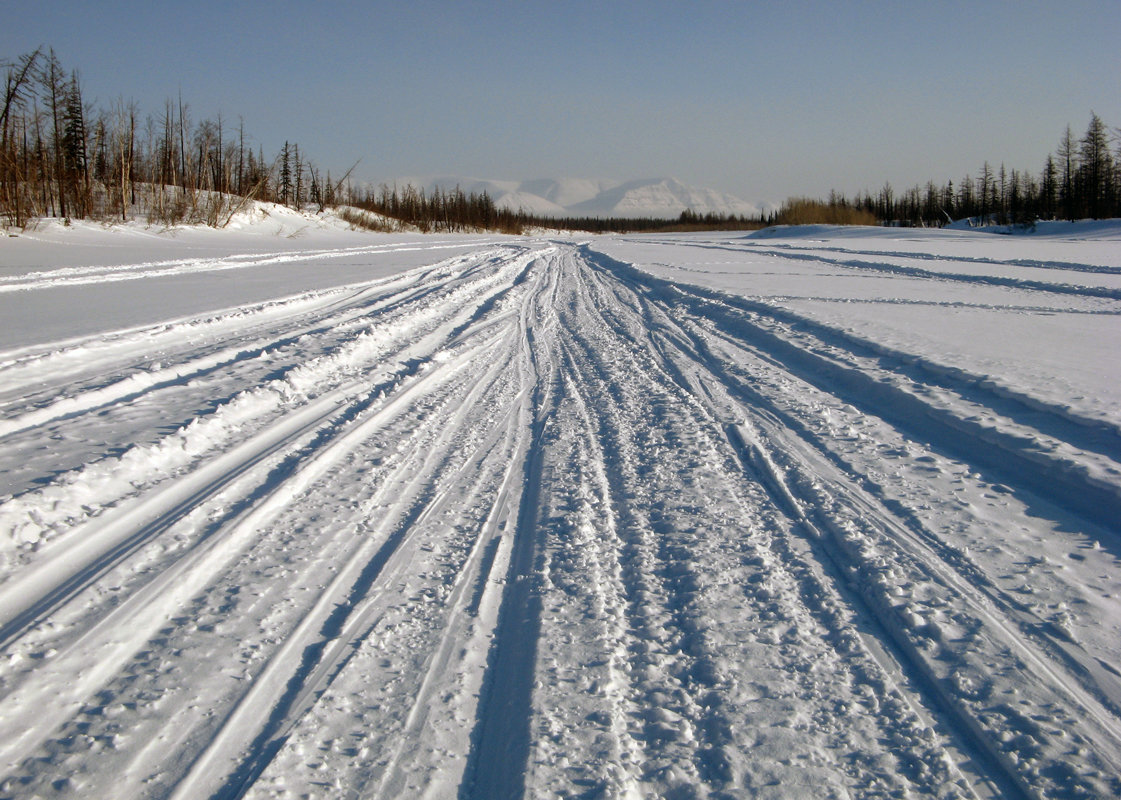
448,210
61,157
1081,179
443,210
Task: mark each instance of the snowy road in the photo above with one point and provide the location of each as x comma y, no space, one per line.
552,518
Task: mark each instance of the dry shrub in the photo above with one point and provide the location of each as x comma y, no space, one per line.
804,211
367,222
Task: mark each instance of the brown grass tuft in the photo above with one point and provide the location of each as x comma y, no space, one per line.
804,211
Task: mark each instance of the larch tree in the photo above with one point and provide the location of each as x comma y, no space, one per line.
1096,168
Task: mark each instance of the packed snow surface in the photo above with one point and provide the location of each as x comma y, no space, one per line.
295,511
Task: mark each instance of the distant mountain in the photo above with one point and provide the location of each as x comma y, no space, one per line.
580,197
566,192
660,197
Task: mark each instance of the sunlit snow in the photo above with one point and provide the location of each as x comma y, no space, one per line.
290,510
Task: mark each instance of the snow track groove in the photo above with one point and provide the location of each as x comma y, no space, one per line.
530,521
77,276
1059,668
1004,273
695,656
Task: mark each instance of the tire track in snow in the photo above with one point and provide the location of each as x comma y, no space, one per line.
188,383
500,739
420,744
1055,690
1007,452
816,255
82,276
186,498
718,755
141,354
396,771
584,577
335,630
1065,266
79,495
471,617
320,645
578,532
667,712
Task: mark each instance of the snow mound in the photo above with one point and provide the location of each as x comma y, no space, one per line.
255,217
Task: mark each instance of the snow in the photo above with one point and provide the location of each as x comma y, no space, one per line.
262,256
293,510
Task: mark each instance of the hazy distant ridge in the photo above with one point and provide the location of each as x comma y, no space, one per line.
581,197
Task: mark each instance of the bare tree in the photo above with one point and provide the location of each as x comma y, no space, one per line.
15,162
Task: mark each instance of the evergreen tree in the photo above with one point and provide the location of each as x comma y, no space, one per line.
967,201
1068,163
284,189
1096,168
986,190
1048,190
314,193
298,181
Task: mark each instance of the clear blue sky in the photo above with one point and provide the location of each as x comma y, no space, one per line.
763,100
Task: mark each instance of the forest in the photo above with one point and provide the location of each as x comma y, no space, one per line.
60,157
1081,180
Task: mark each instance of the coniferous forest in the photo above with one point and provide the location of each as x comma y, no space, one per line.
60,157
1080,180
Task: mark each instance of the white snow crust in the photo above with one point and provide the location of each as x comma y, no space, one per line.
290,510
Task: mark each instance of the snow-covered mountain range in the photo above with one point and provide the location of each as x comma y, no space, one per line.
584,197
